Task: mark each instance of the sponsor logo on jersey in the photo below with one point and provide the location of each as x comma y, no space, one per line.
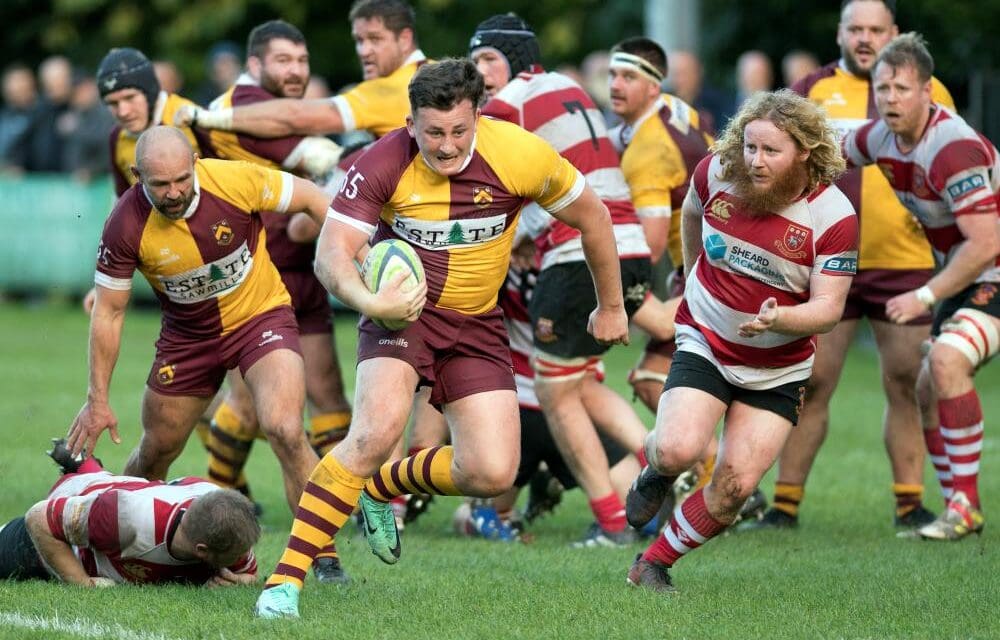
165,374
744,259
209,280
835,100
965,186
721,210
840,266
792,242
166,257
482,196
439,235
715,247
223,232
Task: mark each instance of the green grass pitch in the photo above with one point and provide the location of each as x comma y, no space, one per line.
842,574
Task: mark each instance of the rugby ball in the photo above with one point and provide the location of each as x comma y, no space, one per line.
384,260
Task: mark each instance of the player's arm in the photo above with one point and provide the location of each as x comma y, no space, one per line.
309,199
57,555
268,118
975,253
819,314
588,215
339,243
106,322
691,221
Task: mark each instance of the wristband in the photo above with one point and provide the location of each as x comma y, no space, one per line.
214,118
926,296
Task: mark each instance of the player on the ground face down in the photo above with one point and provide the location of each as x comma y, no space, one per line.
451,184
770,246
948,175
566,358
893,257
95,529
192,228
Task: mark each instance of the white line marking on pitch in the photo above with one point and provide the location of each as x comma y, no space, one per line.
77,627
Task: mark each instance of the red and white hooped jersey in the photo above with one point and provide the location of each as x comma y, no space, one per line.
120,526
748,257
556,108
952,171
514,298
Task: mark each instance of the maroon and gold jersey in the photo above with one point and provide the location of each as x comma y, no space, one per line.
274,153
890,237
210,269
462,226
379,105
660,152
123,143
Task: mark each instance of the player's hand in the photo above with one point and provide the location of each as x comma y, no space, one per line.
608,326
765,319
93,418
904,307
396,301
89,299
185,115
226,578
102,583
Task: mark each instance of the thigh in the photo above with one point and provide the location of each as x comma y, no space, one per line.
277,384
751,440
384,390
168,419
485,429
899,348
828,364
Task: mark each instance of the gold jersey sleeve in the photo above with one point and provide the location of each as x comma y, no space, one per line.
248,186
379,105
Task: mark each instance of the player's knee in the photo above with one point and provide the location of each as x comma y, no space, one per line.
946,364
488,479
672,457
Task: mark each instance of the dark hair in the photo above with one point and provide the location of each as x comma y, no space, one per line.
646,49
396,15
512,37
444,84
261,36
908,50
224,521
889,4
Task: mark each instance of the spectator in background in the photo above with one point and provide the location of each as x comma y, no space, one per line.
170,77
686,81
19,98
753,73
45,142
85,128
224,64
796,65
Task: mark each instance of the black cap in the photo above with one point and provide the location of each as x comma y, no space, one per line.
512,37
128,68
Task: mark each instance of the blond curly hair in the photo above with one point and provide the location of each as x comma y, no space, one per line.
804,121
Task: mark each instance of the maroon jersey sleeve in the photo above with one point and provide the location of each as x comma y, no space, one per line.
118,253
372,179
274,149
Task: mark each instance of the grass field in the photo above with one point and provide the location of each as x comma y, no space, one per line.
842,574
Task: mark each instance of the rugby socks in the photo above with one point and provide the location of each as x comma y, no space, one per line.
429,471
939,458
641,457
327,429
962,431
229,444
609,512
201,430
90,465
325,505
787,498
908,497
690,527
